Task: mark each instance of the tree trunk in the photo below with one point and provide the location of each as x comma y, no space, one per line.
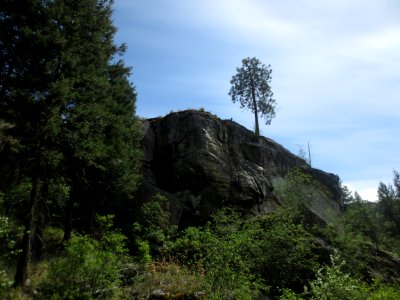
41,213
257,131
253,95
25,258
69,209
68,215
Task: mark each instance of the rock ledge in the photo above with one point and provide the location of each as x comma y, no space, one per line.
202,163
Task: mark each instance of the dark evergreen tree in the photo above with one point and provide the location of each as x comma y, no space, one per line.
389,206
360,218
100,132
251,87
396,183
30,103
69,104
347,196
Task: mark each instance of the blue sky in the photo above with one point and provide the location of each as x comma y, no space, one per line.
336,72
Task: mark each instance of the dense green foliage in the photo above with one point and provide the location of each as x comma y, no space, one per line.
153,225
377,223
70,227
90,268
332,283
223,250
7,249
67,115
234,256
251,87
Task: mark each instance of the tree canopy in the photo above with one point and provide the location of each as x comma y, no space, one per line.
251,87
70,109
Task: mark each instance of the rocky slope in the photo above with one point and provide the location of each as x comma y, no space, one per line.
202,163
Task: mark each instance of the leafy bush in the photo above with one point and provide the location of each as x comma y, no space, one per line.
284,253
385,293
222,251
228,262
7,240
144,253
153,224
90,268
5,285
190,247
245,257
332,283
7,249
288,294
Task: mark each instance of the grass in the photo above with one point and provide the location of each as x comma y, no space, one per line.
167,279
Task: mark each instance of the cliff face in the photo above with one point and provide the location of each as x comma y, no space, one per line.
202,163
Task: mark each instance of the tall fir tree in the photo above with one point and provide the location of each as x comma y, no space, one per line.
100,132
30,103
70,106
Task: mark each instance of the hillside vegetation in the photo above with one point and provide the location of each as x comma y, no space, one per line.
73,226
234,256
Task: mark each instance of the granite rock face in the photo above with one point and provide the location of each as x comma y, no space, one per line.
202,163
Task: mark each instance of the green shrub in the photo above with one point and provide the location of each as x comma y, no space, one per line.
222,251
5,285
7,240
245,257
7,251
288,294
144,253
228,271
190,247
90,269
332,283
385,293
382,291
153,224
284,253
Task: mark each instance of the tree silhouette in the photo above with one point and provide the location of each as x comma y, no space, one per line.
251,87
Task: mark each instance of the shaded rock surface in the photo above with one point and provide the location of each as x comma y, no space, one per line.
202,163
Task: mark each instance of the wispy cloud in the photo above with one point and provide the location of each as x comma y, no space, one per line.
336,70
364,189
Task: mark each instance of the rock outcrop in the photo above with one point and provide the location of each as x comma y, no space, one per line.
202,163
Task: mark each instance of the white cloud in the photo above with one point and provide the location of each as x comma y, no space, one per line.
325,50
336,70
366,189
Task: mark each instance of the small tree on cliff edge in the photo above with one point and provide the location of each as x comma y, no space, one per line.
250,86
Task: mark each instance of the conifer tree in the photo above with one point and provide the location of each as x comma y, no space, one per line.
389,206
251,87
30,103
69,103
99,132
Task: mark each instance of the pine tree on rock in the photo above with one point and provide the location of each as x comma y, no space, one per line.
251,87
